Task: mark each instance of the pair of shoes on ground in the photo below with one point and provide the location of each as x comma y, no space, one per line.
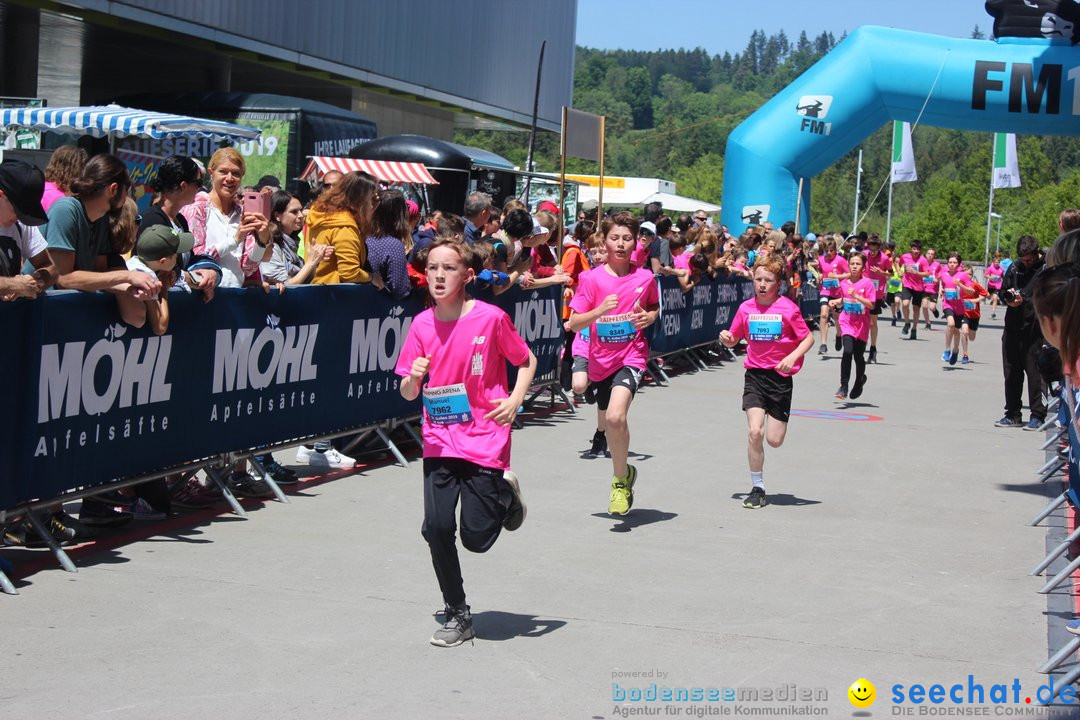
622,492
63,527
279,473
1015,422
331,458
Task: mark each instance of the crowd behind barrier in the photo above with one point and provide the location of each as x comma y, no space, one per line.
98,401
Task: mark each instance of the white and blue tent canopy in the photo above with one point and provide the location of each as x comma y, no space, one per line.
114,121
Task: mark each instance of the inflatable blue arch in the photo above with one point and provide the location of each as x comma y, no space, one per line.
1025,85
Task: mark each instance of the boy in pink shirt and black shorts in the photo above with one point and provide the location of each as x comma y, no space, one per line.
778,338
617,302
461,346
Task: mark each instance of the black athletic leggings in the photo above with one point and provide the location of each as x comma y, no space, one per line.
852,348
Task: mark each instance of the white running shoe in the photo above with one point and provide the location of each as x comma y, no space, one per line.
329,459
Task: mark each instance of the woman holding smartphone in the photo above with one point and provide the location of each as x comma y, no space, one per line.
237,240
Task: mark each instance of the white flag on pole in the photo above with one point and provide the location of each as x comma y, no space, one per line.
1006,169
903,158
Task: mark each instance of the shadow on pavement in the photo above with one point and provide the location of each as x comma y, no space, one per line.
1034,488
784,500
498,626
636,518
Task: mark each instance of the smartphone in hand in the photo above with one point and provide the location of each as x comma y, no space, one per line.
257,202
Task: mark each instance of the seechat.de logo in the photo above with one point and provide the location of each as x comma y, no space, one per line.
862,693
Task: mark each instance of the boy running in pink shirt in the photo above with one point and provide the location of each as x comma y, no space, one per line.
778,338
461,346
617,302
878,270
857,299
915,269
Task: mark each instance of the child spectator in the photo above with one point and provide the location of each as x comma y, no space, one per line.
1056,297
778,339
156,253
467,416
617,302
285,266
389,243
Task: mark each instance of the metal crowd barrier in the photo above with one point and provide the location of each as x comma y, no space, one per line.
1062,430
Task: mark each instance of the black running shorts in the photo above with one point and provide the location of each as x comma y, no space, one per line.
915,296
628,377
768,390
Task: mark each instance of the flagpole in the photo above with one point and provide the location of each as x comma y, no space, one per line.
562,175
990,210
888,216
858,188
798,207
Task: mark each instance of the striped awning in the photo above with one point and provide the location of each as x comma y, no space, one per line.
386,170
116,121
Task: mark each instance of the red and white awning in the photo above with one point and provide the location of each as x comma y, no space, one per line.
385,170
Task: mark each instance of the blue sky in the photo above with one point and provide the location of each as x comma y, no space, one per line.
726,25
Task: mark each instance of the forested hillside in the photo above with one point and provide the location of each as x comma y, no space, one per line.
670,112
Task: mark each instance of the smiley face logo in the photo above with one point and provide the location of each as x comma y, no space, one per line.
862,693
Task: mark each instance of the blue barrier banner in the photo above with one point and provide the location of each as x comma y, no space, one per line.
537,315
98,400
696,317
809,303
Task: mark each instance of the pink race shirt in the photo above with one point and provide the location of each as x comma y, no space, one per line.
580,345
830,287
855,317
878,270
465,381
682,262
932,281
640,255
951,294
615,342
911,265
993,276
772,332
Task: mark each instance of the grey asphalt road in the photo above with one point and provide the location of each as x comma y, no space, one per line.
895,549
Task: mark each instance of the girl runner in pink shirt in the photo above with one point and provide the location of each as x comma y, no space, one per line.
994,272
462,346
617,302
954,282
857,299
833,268
777,339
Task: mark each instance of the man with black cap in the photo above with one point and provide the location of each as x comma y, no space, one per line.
21,185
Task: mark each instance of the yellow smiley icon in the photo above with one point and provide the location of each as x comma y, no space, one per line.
862,693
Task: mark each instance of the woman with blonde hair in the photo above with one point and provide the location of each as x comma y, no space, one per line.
236,240
341,219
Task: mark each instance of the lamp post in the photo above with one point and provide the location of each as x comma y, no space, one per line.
997,245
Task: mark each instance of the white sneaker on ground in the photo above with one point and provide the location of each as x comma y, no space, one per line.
329,459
